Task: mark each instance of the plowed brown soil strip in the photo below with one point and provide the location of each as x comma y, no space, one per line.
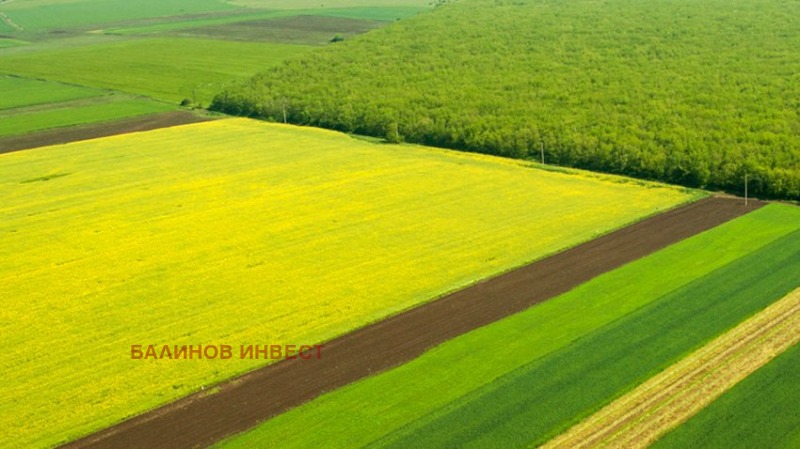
85,132
639,418
200,420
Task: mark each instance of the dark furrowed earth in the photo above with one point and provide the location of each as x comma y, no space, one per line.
241,403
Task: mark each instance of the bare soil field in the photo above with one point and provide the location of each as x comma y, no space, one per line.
639,418
85,132
239,404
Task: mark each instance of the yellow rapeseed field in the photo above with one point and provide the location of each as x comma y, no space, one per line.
240,232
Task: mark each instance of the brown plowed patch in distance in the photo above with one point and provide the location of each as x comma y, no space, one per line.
304,30
93,131
201,420
639,418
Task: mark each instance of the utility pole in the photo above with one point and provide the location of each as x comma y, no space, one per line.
284,113
745,189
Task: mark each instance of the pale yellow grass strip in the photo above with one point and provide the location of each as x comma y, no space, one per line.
640,417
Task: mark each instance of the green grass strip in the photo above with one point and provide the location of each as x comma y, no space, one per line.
543,399
761,411
170,69
4,42
21,92
94,113
364,412
37,15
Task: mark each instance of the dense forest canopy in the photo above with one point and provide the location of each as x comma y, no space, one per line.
698,93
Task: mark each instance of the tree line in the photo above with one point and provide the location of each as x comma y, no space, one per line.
692,93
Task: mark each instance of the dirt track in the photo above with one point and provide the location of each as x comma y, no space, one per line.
200,420
85,132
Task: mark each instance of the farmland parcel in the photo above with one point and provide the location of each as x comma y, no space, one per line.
529,377
29,105
21,92
170,69
42,15
178,51
39,15
245,233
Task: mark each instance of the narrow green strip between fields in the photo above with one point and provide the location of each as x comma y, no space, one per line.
10,42
366,411
761,411
92,113
23,92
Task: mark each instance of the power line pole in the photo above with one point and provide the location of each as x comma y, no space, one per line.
745,189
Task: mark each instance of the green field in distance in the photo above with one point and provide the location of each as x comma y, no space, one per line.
170,69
